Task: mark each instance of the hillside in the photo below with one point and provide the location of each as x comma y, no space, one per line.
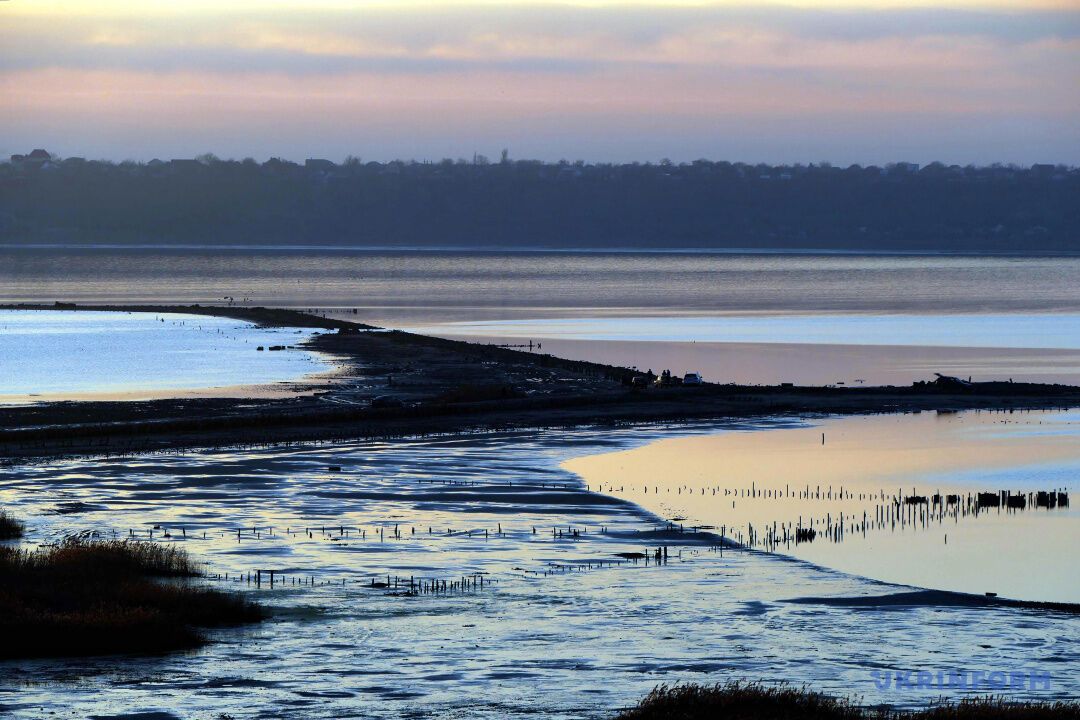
703,204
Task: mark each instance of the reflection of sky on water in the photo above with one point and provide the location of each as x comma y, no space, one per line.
974,331
65,354
408,289
1027,555
656,296
812,349
575,644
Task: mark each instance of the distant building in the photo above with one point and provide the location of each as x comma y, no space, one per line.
37,157
278,165
185,164
319,164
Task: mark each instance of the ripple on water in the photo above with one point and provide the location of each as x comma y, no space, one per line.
575,643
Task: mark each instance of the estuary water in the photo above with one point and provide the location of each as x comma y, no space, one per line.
813,349
71,355
750,318
567,626
395,286
868,477
563,627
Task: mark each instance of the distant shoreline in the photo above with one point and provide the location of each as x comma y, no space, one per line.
540,250
902,207
431,385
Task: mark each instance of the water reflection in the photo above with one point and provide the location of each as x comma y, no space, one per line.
69,355
859,474
571,643
775,363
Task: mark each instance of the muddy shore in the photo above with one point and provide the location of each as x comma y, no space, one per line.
431,385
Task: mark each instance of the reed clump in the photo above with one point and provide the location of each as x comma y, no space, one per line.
751,701
998,709
106,597
739,701
10,528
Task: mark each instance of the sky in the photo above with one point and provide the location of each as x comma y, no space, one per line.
848,81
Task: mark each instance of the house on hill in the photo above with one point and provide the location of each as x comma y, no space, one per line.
36,157
319,164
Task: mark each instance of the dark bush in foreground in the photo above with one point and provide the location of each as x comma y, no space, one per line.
737,701
10,528
97,598
991,708
741,702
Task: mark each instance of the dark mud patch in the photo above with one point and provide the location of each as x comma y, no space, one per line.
934,598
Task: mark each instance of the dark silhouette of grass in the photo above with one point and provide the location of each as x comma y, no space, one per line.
750,701
998,709
741,701
10,528
99,598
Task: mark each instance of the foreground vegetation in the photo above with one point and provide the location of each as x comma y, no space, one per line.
737,701
10,528
105,597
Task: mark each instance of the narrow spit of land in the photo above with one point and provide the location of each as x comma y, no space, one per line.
393,383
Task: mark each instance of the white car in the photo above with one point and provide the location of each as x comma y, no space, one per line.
692,378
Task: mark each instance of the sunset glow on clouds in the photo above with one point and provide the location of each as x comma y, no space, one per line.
844,81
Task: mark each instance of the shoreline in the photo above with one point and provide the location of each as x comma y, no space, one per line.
223,426
432,385
538,249
278,389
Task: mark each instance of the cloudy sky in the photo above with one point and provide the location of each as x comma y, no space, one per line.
866,81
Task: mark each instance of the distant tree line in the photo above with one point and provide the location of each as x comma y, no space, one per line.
524,203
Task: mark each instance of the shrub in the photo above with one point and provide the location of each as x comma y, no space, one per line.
10,528
96,598
739,701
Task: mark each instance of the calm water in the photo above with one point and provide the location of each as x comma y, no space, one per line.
797,477
571,644
813,349
394,287
1014,330
748,318
546,633
49,355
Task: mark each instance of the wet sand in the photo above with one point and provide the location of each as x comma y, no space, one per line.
284,389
